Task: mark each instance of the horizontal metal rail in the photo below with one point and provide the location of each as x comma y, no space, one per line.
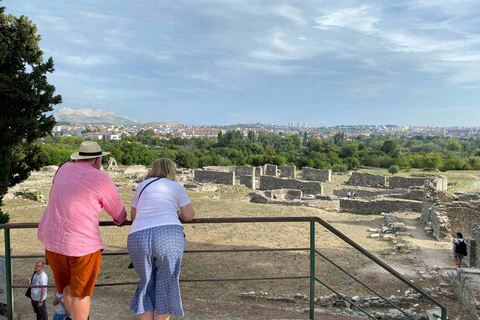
20,286
186,251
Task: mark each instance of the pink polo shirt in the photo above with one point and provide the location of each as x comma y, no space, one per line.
69,224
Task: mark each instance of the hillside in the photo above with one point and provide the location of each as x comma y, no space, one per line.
92,116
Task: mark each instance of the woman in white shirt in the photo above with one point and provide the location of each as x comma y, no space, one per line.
156,241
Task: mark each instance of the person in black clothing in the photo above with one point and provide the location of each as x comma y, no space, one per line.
459,249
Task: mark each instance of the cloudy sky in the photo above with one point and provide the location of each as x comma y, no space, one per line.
411,62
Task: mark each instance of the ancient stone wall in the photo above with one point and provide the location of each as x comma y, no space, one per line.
288,171
248,181
220,168
407,182
312,174
378,206
364,193
466,285
284,194
258,171
227,178
410,194
462,215
244,171
367,180
272,183
471,260
270,170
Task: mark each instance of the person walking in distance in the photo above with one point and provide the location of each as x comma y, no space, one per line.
39,295
69,226
156,241
459,249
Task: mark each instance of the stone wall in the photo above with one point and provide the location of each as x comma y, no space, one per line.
284,194
220,168
378,206
363,193
244,171
471,260
407,182
272,183
466,285
410,194
447,213
367,180
248,181
227,178
270,170
312,174
258,171
288,171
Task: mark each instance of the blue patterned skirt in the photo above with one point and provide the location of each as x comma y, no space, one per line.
156,255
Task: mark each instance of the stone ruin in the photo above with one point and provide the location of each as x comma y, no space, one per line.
288,171
378,206
248,181
307,187
312,174
367,180
112,164
227,178
446,214
440,182
284,194
271,170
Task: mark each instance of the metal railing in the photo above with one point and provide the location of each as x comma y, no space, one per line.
312,250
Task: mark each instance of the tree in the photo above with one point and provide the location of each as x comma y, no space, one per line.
25,98
305,139
390,148
393,169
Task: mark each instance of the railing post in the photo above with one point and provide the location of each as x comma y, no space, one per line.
312,270
8,274
444,313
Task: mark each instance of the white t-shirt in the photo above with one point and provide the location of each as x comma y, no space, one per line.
60,309
39,280
158,204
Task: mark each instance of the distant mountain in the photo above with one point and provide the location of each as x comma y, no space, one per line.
90,116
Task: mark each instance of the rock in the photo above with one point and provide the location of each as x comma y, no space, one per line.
50,169
372,230
375,235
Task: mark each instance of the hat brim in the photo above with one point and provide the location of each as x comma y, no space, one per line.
77,156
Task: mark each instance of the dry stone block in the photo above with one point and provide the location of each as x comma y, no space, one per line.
227,178
408,182
367,180
248,181
312,174
378,206
288,171
284,194
272,183
258,171
271,170
244,171
138,169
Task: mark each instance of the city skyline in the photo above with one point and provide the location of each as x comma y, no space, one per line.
323,63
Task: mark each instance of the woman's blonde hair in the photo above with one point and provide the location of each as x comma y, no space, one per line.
163,168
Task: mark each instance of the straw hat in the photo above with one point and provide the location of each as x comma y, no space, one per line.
88,150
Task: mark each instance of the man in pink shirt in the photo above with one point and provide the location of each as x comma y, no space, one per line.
69,226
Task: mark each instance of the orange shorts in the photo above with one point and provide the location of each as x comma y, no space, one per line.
80,273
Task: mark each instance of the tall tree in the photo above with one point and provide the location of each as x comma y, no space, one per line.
25,97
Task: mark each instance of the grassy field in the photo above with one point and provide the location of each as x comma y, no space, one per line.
224,203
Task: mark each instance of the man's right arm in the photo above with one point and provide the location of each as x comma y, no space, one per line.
112,203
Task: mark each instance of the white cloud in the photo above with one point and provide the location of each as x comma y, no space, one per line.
85,60
291,13
360,19
160,56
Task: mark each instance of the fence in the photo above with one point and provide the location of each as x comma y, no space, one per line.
312,249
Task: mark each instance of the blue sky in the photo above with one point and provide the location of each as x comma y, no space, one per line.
412,62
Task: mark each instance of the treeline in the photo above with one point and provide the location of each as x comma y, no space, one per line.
232,148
